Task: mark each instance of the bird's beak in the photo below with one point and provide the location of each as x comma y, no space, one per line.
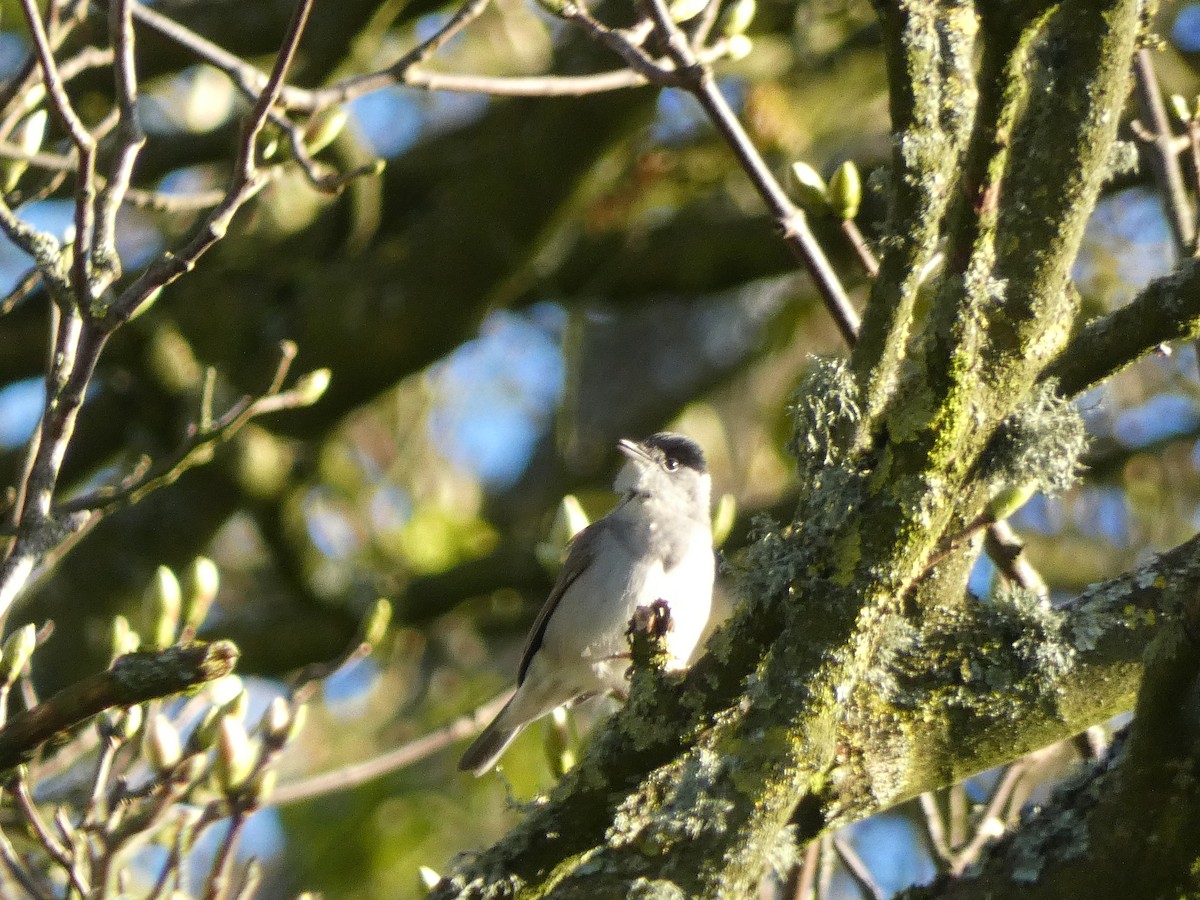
634,451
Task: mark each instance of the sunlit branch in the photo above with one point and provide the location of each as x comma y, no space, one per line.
85,147
352,775
245,183
201,442
130,139
132,679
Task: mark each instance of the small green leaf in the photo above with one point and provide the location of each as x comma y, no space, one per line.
845,191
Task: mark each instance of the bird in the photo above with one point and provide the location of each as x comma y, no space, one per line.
655,545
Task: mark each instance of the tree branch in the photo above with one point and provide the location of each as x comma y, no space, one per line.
1167,309
133,679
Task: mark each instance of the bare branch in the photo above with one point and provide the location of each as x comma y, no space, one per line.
19,789
85,147
405,755
1164,157
245,183
200,443
130,139
132,679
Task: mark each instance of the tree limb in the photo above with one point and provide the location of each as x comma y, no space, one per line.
133,679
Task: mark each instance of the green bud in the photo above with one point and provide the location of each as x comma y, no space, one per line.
277,719
737,47
811,189
192,770
309,388
238,706
557,742
164,602
203,583
682,10
236,755
204,735
281,722
261,786
1010,499
429,879
161,745
324,129
377,622
124,639
223,690
569,520
845,191
28,136
1178,104
299,717
723,518
738,17
18,648
124,723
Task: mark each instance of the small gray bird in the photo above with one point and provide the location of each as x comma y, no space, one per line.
655,545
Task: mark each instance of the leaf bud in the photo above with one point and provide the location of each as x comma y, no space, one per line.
18,648
569,519
164,602
324,129
124,638
161,745
203,583
309,388
236,755
377,622
845,191
558,744
811,189
1178,104
28,136
428,877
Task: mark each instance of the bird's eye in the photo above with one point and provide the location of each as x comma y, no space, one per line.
670,464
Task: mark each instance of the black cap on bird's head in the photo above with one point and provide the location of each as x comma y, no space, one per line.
668,455
667,449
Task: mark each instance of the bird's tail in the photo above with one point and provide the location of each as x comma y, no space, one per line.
487,749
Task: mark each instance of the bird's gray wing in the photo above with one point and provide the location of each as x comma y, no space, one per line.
582,552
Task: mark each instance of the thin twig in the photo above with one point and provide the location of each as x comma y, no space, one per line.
862,250
22,873
358,773
935,826
219,877
77,349
130,139
857,868
57,851
245,183
85,147
806,872
198,446
1164,158
990,825
26,285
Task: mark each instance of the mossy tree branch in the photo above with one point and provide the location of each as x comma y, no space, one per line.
1168,309
840,687
1148,784
931,118
134,678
